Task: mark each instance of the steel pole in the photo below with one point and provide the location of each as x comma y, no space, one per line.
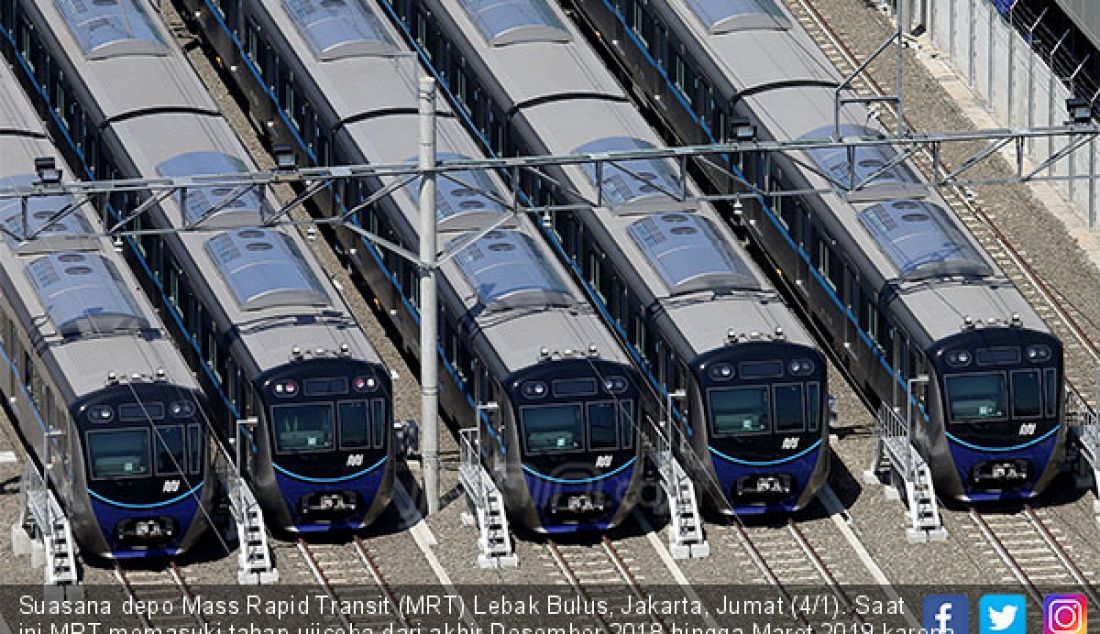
429,313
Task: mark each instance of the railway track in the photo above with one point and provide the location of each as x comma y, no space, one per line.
1032,552
596,574
164,592
350,575
787,559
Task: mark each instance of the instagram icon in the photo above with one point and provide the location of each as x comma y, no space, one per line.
1065,614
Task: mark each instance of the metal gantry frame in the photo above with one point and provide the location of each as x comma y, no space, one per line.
720,158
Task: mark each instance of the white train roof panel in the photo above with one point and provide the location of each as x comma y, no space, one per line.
725,16
504,22
871,162
461,200
921,240
688,254
70,232
507,271
110,28
336,29
83,294
626,182
199,201
264,268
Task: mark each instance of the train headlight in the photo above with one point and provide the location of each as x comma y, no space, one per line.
958,358
800,367
101,414
615,384
534,389
1038,353
364,384
721,372
286,388
181,409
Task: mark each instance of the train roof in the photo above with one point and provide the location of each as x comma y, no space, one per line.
904,230
512,285
683,254
180,132
84,309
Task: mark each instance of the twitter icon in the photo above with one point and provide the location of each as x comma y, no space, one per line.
1003,614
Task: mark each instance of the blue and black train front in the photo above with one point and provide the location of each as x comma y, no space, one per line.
326,452
762,448
574,457
147,470
1001,409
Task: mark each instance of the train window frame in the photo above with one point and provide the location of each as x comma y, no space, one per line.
1038,393
947,397
627,427
88,435
178,466
522,428
813,406
615,426
1050,392
379,418
762,388
368,439
801,408
194,448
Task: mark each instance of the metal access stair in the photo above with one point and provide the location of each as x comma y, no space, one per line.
255,562
44,533
1085,440
686,539
896,455
487,506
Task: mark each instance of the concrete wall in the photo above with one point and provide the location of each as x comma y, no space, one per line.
1016,85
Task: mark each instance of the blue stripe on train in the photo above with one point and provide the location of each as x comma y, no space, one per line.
109,513
366,483
543,489
1039,453
800,467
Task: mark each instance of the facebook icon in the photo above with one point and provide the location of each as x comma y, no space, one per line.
946,614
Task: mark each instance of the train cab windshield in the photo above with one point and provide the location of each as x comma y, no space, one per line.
312,427
983,397
596,426
304,428
763,409
119,453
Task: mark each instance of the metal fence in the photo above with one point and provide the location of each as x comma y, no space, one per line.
1017,84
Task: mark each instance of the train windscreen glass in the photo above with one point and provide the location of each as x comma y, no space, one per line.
789,409
170,451
303,428
354,425
122,453
740,410
977,397
1026,394
602,428
553,428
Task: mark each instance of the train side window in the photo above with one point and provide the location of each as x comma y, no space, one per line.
640,335
789,408
28,373
1050,387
